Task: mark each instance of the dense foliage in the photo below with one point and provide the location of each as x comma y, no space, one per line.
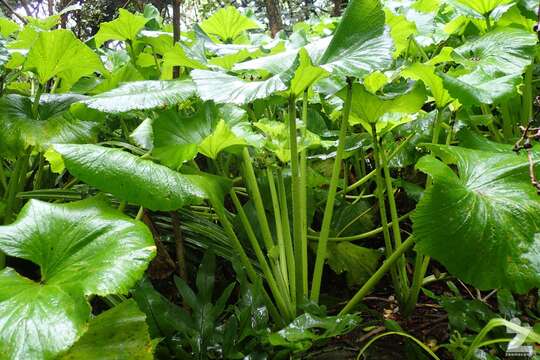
241,196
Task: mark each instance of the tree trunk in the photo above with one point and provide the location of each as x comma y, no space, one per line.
176,30
339,5
50,5
274,16
307,9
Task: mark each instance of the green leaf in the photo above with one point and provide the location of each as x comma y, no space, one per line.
358,262
479,88
227,62
388,111
221,139
60,53
120,333
306,329
223,88
493,64
8,27
305,74
360,44
82,248
177,56
142,95
478,8
375,81
401,31
488,208
503,50
126,27
228,24
20,129
427,74
138,181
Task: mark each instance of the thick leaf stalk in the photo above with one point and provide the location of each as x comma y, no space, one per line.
329,208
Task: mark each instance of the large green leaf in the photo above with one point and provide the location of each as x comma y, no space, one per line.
136,180
224,88
126,27
427,74
177,137
384,111
228,23
493,65
120,333
60,53
358,262
142,95
478,8
305,74
19,128
81,248
360,44
488,209
504,50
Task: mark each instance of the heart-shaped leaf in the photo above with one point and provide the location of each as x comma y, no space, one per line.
139,181
120,333
81,248
360,44
224,88
60,53
489,209
19,128
126,27
142,95
228,23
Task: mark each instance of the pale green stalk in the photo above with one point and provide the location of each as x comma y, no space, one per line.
332,190
303,200
279,227
377,276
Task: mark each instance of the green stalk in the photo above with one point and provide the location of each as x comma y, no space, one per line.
377,276
527,99
256,197
39,175
402,271
16,184
291,263
296,198
272,283
491,126
382,207
303,200
35,105
255,193
3,180
488,22
329,208
244,259
420,268
508,123
279,227
365,235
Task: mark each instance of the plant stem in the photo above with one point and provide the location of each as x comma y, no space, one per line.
488,22
329,208
255,193
527,99
291,262
296,198
377,276
272,283
508,123
252,275
303,199
35,105
140,213
360,236
401,269
16,184
3,180
382,207
420,268
279,227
